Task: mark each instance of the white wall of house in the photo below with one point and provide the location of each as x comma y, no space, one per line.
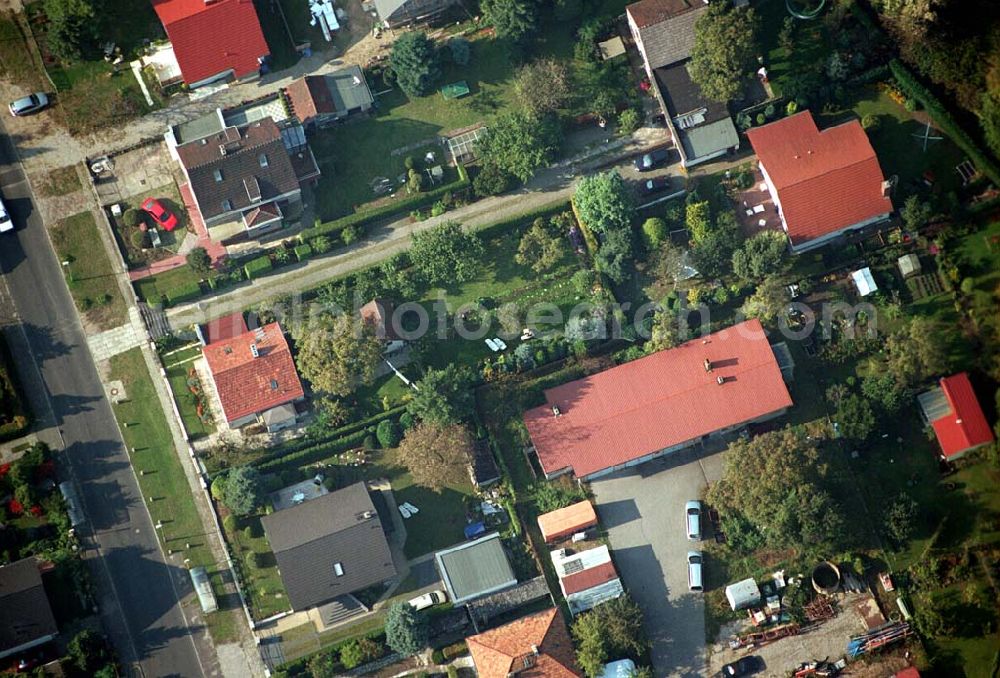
26,646
825,239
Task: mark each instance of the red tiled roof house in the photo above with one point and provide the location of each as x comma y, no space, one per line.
587,578
213,40
658,404
255,378
953,411
824,184
536,646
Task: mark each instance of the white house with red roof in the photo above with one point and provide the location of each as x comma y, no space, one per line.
255,377
659,404
953,411
586,578
824,184
214,39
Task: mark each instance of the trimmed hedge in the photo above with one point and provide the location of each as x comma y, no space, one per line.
256,267
404,206
274,463
184,292
303,251
909,83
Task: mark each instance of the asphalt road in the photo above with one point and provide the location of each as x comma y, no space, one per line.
642,509
135,587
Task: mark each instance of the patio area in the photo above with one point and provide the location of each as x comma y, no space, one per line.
755,208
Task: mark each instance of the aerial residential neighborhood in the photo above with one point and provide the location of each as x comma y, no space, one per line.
456,338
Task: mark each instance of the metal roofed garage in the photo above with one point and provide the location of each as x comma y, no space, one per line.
474,569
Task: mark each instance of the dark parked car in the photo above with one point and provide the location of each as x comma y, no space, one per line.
654,185
652,160
744,666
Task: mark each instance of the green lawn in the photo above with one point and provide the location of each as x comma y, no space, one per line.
264,587
61,181
162,480
153,288
179,366
17,62
88,270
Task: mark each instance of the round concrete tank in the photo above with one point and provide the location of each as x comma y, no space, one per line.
826,578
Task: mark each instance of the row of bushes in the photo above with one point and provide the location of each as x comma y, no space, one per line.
274,463
405,205
944,119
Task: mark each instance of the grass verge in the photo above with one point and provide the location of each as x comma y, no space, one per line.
164,484
88,270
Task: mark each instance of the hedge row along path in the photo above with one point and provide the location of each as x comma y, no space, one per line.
549,187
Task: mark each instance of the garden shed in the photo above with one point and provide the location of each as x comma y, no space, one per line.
909,264
743,594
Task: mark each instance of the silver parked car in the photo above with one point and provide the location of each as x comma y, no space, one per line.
692,519
29,104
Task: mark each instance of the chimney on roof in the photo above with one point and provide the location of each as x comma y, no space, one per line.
356,80
253,350
222,149
708,365
958,421
886,188
534,649
720,380
555,410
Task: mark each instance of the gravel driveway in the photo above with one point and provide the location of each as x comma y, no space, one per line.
642,509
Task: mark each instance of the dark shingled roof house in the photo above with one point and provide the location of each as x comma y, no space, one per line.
329,547
25,615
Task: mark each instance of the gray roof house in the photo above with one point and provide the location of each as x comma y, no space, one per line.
663,31
26,618
329,547
401,12
245,174
475,569
319,99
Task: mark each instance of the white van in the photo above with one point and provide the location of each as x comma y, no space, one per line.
694,571
5,223
692,519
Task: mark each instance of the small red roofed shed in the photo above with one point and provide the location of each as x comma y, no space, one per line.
954,413
561,523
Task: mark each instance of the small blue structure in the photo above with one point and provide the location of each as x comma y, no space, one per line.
474,530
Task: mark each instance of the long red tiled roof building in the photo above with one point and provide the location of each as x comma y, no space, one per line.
658,404
213,40
536,646
823,183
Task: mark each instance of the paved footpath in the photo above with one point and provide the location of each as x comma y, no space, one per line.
549,187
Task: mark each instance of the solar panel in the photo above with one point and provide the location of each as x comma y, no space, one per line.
572,566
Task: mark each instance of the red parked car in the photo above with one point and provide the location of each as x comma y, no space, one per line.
161,215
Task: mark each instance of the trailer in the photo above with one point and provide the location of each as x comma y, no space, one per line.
878,638
761,638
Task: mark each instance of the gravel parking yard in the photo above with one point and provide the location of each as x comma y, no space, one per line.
643,510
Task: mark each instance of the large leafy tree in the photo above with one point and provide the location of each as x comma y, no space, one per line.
916,353
542,86
443,396
72,29
336,352
725,48
664,332
768,300
612,630
915,213
698,220
514,20
713,254
761,255
604,202
540,247
855,417
774,481
414,62
405,629
614,254
242,490
436,455
518,143
446,253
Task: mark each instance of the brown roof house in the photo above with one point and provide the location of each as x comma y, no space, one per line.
323,99
26,619
329,547
247,176
536,646
663,31
255,378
